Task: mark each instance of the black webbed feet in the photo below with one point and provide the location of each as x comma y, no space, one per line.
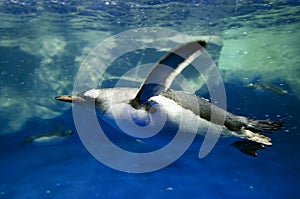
248,147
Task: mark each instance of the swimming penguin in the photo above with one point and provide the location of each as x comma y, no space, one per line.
155,97
266,86
54,136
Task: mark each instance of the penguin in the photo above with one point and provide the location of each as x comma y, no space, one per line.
269,87
54,136
154,97
47,138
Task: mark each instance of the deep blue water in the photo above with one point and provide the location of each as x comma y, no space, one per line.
29,83
68,170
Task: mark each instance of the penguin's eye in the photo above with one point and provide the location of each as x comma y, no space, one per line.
83,96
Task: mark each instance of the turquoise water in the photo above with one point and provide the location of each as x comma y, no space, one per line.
43,44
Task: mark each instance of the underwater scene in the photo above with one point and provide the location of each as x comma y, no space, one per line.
58,51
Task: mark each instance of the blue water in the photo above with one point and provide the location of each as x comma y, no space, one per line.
42,45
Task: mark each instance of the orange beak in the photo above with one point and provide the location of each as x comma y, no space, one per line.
69,98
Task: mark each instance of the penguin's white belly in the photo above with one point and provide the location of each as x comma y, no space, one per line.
142,123
48,140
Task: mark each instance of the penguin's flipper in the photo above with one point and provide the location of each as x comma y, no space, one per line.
166,69
248,147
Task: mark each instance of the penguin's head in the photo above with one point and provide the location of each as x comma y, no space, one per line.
86,96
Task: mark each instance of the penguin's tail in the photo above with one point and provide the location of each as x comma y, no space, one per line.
264,125
254,140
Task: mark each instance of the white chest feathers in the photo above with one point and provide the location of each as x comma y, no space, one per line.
142,123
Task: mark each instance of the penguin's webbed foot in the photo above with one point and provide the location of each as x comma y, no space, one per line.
248,147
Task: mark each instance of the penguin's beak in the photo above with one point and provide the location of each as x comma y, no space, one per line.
69,98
